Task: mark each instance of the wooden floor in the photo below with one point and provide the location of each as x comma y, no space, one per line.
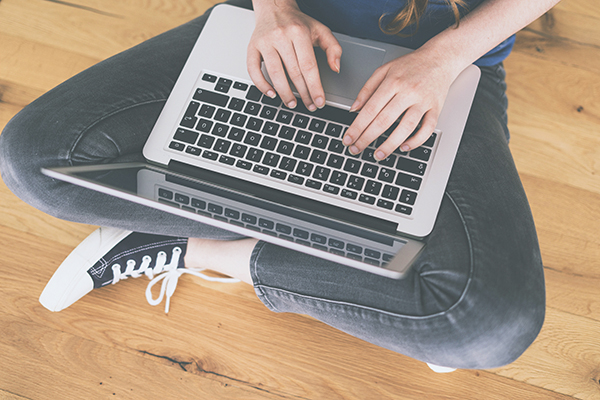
219,341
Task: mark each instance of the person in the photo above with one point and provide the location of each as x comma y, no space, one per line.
475,296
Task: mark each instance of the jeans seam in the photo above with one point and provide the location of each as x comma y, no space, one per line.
254,265
85,130
261,288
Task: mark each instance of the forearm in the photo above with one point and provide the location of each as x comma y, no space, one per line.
483,29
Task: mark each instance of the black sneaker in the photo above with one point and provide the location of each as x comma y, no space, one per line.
110,255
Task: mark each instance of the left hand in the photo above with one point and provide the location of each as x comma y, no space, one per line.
415,87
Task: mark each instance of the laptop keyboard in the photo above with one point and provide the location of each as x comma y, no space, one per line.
233,125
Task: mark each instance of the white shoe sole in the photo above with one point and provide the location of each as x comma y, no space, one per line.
71,281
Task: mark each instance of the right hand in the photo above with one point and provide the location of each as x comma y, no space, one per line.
284,38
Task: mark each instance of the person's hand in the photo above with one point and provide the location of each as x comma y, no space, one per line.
412,88
284,38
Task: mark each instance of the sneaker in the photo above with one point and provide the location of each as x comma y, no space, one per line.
110,255
439,369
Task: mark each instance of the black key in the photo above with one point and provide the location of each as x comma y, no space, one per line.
177,146
210,155
338,178
365,198
259,169
334,130
278,174
321,173
167,194
249,219
287,132
285,117
352,165
431,140
254,155
253,94
301,233
209,78
265,223
403,209
287,164
221,130
354,248
313,184
355,182
389,161
337,244
285,147
385,204
268,143
188,122
320,141
303,137
282,228
252,108
206,141
390,192
317,125
347,153
254,124
222,146
300,121
372,253
206,96
271,160
318,156
349,194
270,128
268,113
411,182
183,135
314,237
252,138
412,166
369,170
222,115
229,213
331,189
335,161
304,168
236,104
336,146
408,197
238,119
243,165
271,101
236,134
386,175
201,204
225,81
207,111
226,160
373,187
367,155
204,125
219,87
238,150
193,150
240,86
295,179
421,153
181,198
302,152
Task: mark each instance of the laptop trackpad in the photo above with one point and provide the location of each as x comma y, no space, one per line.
358,63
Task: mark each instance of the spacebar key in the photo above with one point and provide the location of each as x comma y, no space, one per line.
207,96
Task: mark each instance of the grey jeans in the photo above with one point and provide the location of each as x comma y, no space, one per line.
475,297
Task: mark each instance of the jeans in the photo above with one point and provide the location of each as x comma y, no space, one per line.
474,298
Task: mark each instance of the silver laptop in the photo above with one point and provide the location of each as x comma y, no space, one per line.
223,154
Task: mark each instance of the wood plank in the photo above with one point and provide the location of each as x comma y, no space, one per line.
227,338
573,294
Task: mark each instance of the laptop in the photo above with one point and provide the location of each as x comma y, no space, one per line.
223,154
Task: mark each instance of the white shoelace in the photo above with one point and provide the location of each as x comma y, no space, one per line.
168,273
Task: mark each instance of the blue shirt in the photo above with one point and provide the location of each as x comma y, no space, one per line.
360,18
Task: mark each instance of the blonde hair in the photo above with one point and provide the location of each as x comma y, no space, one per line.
412,13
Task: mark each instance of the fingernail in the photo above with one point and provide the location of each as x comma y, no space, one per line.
354,106
312,107
271,94
347,140
379,155
353,150
337,66
320,102
405,148
291,104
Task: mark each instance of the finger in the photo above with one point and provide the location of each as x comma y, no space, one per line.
309,70
369,88
332,48
409,122
428,124
253,61
274,64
